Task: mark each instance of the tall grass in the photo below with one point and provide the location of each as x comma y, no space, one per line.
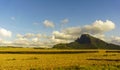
68,61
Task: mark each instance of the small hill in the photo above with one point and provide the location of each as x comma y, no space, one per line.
87,41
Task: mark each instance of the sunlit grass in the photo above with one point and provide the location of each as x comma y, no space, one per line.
82,61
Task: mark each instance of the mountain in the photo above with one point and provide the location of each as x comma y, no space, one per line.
87,41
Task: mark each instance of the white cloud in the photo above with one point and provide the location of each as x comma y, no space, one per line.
38,35
115,40
48,23
19,36
5,33
32,35
29,35
74,31
97,29
100,36
35,39
57,40
60,35
65,21
5,43
32,40
21,42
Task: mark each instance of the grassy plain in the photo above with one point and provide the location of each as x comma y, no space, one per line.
61,61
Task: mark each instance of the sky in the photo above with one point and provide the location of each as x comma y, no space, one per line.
43,23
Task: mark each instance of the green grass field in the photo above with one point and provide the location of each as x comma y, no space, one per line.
68,61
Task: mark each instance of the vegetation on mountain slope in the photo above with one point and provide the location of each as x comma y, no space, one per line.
87,41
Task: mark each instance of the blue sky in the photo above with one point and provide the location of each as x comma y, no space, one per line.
28,16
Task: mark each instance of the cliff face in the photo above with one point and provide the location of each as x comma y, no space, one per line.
84,39
87,41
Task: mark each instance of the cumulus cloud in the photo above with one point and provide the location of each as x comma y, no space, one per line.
96,29
38,35
29,35
4,42
100,36
66,35
115,40
19,36
58,40
32,40
25,42
32,35
35,39
48,23
5,33
21,41
60,35
74,31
